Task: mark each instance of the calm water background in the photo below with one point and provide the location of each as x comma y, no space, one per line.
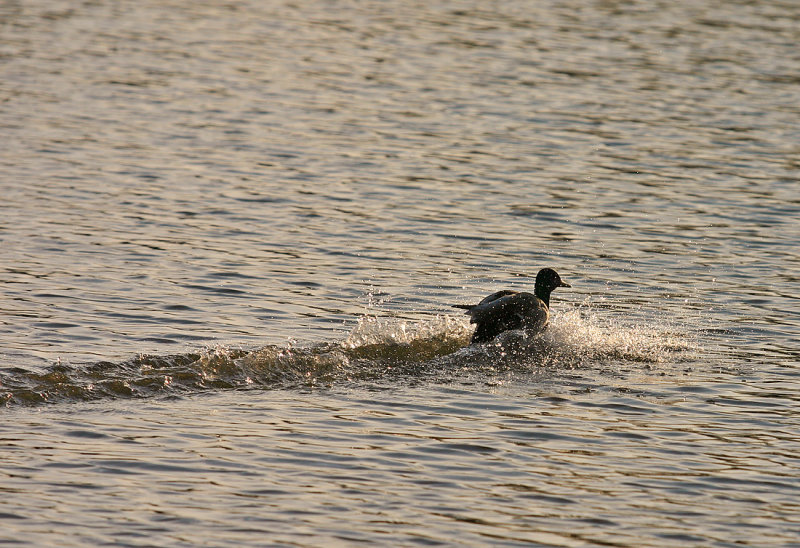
231,233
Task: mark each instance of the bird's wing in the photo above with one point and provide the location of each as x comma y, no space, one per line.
502,307
496,316
517,311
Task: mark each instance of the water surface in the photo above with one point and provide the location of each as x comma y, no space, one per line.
231,233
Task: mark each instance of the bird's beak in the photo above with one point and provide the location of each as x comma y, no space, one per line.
563,284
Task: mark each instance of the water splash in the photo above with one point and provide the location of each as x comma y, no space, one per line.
581,335
428,338
376,348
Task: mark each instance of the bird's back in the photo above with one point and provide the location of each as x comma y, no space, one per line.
507,310
470,308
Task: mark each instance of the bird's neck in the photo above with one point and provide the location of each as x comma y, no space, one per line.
543,294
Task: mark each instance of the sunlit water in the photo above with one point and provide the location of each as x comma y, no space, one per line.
232,233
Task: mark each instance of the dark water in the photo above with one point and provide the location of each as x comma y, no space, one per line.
231,234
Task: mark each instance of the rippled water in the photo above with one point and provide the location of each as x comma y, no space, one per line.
231,233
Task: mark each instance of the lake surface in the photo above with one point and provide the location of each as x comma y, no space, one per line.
231,234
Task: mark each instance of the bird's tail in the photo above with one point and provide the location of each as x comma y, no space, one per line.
466,307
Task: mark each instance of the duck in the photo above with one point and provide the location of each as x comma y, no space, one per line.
506,310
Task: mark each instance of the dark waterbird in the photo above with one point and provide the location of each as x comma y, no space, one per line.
507,309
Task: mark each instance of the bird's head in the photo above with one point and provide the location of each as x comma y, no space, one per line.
547,280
